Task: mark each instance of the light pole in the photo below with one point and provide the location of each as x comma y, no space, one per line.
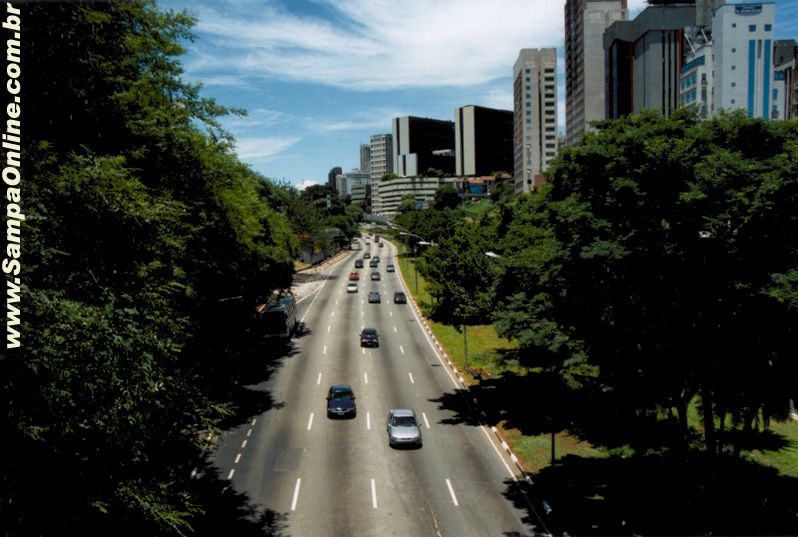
415,259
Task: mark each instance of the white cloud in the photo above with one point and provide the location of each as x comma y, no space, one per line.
379,44
302,185
258,149
500,97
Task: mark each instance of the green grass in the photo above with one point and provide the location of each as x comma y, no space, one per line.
786,459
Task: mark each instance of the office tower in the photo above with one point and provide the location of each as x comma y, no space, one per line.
365,157
483,140
332,176
534,116
785,60
645,58
743,37
381,151
420,144
585,22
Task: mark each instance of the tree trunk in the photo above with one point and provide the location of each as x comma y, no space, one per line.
722,430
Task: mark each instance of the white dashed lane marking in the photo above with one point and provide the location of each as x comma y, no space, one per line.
296,495
451,491
409,374
423,415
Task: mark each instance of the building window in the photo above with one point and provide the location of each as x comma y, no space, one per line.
529,112
550,153
528,95
549,120
734,84
528,87
752,27
768,27
527,70
528,120
734,50
528,79
548,70
734,25
733,101
734,67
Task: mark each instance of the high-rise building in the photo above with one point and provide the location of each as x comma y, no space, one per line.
381,155
483,140
585,22
534,116
365,157
742,50
785,61
644,59
332,176
420,144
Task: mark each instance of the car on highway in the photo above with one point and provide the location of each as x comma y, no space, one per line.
382,244
375,276
374,263
403,428
341,401
376,258
354,276
369,337
351,287
358,263
374,297
390,268
367,256
399,298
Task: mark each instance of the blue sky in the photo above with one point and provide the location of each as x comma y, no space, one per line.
319,77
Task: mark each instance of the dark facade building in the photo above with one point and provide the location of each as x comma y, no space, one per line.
644,59
483,141
422,143
332,177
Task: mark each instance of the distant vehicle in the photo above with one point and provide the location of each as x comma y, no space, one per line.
341,401
377,238
382,244
354,276
374,263
375,276
403,428
277,318
358,263
351,287
368,243
369,337
399,298
367,256
377,258
374,297
390,268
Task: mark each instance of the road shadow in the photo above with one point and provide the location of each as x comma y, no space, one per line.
227,512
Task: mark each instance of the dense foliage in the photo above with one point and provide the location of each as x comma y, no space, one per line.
140,223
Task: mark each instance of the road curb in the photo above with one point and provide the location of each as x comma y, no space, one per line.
523,474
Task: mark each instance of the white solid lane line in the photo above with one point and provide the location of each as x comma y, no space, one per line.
318,380
296,495
423,415
451,491
310,421
373,494
409,374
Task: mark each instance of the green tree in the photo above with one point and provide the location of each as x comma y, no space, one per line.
407,203
659,264
446,197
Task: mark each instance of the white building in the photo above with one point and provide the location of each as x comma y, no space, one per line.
387,195
534,116
381,156
742,46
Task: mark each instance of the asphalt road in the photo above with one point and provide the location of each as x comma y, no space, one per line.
340,477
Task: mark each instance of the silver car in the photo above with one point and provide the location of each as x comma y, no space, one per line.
403,428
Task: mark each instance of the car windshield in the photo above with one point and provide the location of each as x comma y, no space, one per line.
342,395
404,421
370,332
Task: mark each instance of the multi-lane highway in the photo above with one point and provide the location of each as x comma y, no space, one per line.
340,477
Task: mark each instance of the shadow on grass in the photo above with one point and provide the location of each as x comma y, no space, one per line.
658,495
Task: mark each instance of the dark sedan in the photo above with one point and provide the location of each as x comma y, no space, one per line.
341,401
369,337
374,297
399,298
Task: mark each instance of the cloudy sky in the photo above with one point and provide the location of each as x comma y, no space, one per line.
319,77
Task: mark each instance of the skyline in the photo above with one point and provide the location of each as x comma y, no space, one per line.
319,77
